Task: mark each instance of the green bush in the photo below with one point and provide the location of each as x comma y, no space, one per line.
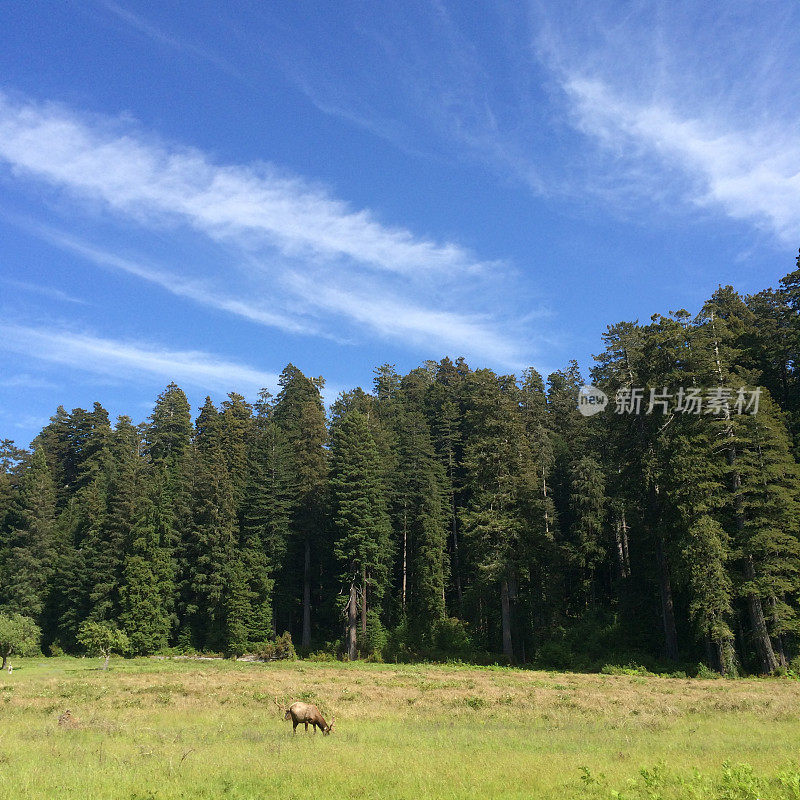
555,655
102,639
628,669
18,635
282,649
398,644
706,672
452,638
372,643
322,655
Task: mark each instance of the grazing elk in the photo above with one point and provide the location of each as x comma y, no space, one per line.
308,714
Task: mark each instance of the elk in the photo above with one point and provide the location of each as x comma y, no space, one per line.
308,714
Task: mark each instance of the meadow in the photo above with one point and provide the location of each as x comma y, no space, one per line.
150,729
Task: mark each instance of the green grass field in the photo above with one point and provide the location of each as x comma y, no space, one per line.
210,729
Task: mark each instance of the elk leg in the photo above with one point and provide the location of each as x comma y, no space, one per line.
294,729
306,724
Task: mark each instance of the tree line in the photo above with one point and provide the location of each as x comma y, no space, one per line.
448,512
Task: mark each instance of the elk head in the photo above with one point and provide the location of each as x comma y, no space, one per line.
283,709
329,728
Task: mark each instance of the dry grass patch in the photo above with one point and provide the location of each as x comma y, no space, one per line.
168,729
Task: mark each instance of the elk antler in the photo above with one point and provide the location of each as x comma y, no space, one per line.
280,706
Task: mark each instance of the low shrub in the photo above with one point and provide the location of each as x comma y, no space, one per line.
282,649
706,672
452,638
628,669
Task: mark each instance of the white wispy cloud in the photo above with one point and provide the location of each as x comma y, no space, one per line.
24,380
130,173
196,290
128,360
684,105
153,32
690,103
428,85
751,174
433,330
45,291
268,227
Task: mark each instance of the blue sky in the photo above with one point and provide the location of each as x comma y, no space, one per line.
204,192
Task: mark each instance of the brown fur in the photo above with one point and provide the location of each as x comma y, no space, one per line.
309,715
66,720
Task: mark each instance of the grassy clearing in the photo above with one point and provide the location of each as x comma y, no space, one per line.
151,729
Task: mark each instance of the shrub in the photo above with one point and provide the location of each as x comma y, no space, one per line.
102,639
284,648
706,672
628,669
555,655
18,635
281,649
452,638
372,643
321,655
398,643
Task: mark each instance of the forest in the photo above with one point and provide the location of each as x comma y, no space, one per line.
449,513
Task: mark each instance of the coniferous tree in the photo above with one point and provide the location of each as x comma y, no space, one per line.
300,416
169,431
423,502
359,516
29,551
502,493
265,519
209,533
587,500
769,504
147,588
444,413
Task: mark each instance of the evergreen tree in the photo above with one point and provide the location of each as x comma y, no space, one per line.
502,521
29,552
148,576
422,503
300,416
359,515
587,500
168,435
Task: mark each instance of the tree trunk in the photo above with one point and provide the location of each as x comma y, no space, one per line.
769,663
516,627
105,663
364,603
618,550
713,652
667,608
508,647
621,549
544,501
5,661
780,651
626,555
306,640
405,558
352,612
456,563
